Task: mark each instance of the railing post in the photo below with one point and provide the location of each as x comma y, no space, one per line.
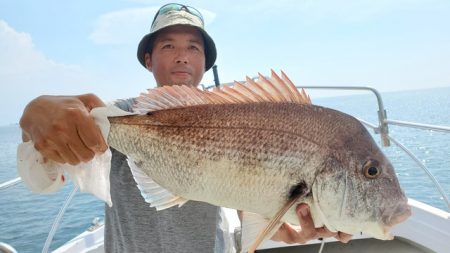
216,76
383,128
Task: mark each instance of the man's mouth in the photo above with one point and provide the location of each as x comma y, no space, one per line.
181,73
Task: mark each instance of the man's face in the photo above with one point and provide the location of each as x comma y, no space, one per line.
178,56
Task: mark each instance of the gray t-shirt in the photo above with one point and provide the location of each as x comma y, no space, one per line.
132,226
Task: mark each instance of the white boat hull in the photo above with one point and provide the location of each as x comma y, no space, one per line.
427,230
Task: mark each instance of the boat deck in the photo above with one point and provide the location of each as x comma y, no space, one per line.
369,245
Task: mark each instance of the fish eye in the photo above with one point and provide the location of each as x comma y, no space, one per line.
371,169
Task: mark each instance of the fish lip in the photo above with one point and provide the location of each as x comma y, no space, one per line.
403,212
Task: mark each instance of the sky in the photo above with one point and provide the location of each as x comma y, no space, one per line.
73,47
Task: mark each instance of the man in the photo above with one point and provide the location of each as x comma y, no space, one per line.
177,51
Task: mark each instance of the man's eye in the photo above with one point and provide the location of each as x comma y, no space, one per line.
167,46
194,48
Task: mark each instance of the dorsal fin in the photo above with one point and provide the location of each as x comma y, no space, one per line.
274,89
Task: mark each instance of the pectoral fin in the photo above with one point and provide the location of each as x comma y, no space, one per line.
153,193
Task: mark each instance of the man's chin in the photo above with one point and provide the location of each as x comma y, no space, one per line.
183,82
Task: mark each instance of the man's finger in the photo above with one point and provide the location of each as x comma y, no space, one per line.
53,155
65,151
306,222
90,101
76,143
89,133
289,234
49,150
323,232
81,151
91,136
343,237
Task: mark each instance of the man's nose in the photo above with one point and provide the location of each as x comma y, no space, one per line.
181,56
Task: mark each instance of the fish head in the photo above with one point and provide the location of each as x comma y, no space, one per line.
357,189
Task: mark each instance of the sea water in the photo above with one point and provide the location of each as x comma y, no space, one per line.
26,218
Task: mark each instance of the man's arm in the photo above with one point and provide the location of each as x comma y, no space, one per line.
61,128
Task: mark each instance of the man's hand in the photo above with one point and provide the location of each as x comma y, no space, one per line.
61,128
306,231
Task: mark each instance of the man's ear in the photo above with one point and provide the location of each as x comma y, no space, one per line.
148,61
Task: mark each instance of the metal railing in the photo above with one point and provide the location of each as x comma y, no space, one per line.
6,248
444,129
382,128
10,183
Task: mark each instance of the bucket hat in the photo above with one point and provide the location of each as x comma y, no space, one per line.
177,14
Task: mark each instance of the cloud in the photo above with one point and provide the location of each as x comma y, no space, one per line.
127,26
26,72
25,66
122,27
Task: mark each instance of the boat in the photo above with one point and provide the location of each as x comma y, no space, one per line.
427,230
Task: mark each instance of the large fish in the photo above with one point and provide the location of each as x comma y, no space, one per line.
260,147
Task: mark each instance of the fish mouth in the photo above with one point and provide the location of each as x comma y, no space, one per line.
400,214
